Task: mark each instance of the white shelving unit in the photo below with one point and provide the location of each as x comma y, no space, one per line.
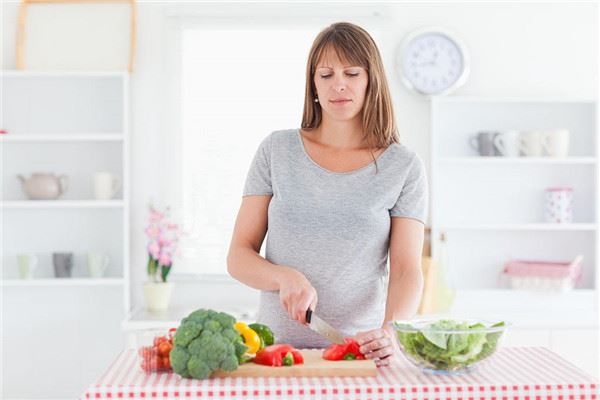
73,123
491,211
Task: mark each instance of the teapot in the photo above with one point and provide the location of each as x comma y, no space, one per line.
44,186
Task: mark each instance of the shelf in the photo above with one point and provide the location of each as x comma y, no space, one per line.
511,99
520,227
479,160
12,73
44,204
529,309
80,137
50,282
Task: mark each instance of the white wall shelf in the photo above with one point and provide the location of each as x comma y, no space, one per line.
491,208
521,227
62,282
72,123
43,204
49,138
476,160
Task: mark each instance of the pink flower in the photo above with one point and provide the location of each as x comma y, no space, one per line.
165,259
153,231
163,241
155,216
154,250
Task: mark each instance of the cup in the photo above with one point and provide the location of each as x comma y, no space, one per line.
63,264
507,143
106,185
531,143
27,264
483,143
97,264
559,205
556,143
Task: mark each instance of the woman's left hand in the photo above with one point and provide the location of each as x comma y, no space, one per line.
377,344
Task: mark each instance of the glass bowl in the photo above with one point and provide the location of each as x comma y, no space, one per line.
447,346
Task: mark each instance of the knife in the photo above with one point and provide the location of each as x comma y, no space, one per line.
323,328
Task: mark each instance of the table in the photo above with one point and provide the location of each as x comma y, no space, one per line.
513,373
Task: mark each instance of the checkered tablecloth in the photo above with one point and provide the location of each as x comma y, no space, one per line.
513,373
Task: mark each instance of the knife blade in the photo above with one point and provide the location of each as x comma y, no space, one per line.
323,328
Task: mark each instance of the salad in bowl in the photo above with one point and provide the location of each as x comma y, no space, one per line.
447,346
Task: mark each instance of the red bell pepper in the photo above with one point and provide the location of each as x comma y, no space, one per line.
348,351
277,355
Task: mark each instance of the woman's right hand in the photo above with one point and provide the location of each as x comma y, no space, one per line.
296,294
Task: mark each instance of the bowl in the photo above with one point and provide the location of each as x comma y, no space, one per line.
448,346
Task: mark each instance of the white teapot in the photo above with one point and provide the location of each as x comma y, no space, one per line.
44,186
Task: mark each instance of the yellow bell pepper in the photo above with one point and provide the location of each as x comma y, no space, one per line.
251,338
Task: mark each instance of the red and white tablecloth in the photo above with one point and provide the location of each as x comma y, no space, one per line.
513,373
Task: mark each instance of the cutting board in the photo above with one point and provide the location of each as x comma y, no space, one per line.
314,365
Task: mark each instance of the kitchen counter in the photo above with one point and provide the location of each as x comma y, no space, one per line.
513,373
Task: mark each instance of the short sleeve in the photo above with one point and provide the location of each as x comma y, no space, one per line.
258,179
414,197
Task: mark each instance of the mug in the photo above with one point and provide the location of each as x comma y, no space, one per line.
63,264
531,143
106,185
27,264
483,143
507,143
97,264
559,205
556,143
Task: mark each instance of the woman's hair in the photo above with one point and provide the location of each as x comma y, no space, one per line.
352,44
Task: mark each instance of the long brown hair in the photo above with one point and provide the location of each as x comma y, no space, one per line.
352,44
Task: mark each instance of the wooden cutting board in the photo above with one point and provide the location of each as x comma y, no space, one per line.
314,365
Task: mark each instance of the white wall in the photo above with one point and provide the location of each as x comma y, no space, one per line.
516,49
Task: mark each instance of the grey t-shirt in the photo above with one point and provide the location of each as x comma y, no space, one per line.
333,227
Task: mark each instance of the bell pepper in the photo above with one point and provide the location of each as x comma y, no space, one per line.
277,355
347,351
251,338
265,333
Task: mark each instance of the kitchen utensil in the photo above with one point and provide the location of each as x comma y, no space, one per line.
63,264
483,143
558,205
323,328
27,264
106,185
314,365
556,143
44,186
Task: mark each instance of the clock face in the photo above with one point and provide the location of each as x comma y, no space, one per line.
432,63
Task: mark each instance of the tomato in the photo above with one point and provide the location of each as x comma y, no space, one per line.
337,352
164,348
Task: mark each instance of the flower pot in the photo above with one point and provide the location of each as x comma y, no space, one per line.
157,295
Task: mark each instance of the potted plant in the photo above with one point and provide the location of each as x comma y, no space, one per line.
162,244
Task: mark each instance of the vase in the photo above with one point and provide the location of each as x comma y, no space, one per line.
157,295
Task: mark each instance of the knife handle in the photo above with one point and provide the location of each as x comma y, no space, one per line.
308,315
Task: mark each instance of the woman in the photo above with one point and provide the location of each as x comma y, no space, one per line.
335,197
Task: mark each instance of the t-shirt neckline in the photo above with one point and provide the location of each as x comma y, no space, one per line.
299,135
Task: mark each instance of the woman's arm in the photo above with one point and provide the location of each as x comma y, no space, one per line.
405,286
245,264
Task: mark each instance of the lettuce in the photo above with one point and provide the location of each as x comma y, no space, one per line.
445,350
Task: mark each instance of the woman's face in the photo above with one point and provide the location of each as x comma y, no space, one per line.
341,88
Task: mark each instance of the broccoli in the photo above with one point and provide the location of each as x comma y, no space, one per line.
204,342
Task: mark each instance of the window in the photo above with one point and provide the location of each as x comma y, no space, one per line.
237,86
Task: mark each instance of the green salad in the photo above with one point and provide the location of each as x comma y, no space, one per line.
435,345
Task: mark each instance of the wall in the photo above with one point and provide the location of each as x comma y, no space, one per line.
517,49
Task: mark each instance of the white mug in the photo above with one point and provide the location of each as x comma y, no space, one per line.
106,185
508,143
556,143
97,264
27,264
531,143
